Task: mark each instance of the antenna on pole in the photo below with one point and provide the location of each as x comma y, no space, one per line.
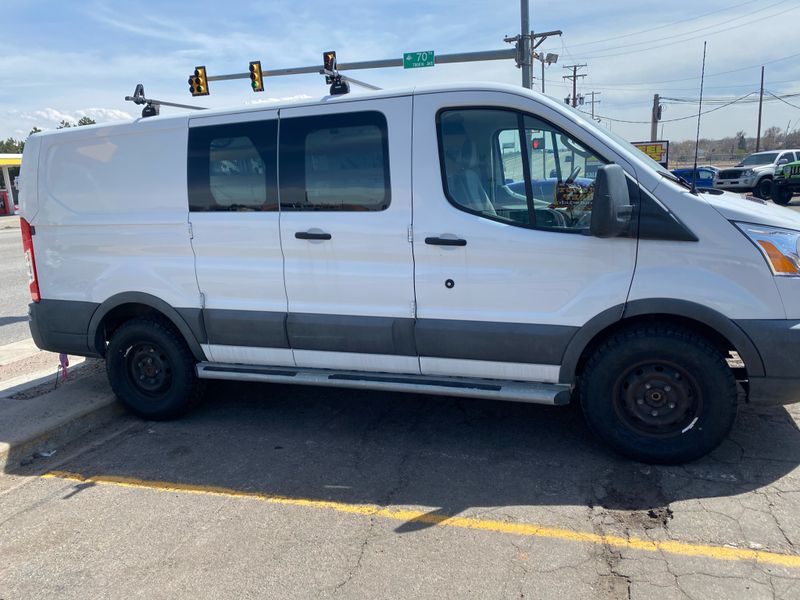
699,113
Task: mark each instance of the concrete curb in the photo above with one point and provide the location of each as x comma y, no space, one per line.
45,423
23,383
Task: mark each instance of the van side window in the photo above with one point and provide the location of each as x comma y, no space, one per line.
515,168
336,162
232,167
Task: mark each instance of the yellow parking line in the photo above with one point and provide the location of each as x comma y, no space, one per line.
523,529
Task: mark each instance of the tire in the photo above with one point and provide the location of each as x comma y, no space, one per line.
763,188
781,194
686,412
152,370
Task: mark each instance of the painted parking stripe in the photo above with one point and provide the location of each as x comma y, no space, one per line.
406,515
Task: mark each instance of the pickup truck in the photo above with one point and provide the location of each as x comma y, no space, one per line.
754,174
786,183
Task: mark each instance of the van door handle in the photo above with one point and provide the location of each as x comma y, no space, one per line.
312,235
439,241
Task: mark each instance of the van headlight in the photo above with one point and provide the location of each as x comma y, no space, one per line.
779,247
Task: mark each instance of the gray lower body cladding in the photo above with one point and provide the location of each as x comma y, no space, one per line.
64,326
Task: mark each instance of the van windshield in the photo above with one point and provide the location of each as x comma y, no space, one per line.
619,140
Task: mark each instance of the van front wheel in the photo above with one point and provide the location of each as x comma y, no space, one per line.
151,370
659,394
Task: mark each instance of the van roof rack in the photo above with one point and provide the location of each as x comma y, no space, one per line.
152,107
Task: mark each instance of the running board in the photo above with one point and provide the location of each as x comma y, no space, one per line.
514,391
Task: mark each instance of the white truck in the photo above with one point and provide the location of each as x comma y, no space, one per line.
411,240
755,173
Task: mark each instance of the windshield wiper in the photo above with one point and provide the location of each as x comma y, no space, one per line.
675,178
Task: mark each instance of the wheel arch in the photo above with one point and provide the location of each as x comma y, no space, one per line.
716,327
127,305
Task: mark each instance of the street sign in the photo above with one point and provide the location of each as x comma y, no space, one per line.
414,60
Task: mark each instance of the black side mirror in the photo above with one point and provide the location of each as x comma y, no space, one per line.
611,206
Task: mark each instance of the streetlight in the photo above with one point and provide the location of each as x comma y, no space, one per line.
548,59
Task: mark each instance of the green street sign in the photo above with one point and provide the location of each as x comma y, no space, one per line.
414,60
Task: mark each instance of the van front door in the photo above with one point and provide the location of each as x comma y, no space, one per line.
345,173
505,272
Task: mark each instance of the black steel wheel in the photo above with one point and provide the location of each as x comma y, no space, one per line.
151,370
659,394
781,194
657,398
764,188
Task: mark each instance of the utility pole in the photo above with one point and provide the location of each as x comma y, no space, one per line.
574,77
525,40
542,76
593,102
655,117
526,43
545,59
760,103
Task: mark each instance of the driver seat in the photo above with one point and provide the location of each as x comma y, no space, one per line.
465,184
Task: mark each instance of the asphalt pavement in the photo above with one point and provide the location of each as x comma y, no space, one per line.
276,491
270,491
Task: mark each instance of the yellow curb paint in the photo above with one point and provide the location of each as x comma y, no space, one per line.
522,529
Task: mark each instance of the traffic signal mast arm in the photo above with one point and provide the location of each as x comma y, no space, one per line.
375,64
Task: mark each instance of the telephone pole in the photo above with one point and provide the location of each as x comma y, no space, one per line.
574,77
760,103
593,101
525,41
655,117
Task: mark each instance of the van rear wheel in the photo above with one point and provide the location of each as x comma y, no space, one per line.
151,370
659,394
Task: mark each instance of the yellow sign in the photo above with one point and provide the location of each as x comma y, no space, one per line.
658,151
10,160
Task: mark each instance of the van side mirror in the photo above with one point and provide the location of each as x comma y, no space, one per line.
611,206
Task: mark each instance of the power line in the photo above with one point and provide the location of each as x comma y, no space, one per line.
784,101
658,83
676,119
670,24
687,39
699,29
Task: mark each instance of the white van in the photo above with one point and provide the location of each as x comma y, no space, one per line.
475,240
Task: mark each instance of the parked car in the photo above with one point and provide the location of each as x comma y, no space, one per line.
786,183
704,178
364,244
754,174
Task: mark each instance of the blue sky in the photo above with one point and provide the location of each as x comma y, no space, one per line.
65,58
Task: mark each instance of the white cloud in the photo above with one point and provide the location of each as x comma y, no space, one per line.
49,118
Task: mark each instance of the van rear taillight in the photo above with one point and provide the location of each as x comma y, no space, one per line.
30,259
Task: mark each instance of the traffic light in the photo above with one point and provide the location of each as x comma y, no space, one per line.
537,143
256,77
329,64
198,83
